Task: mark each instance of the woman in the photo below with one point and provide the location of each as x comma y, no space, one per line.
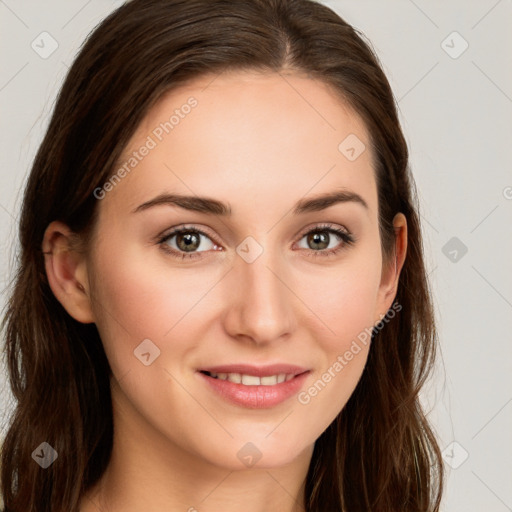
221,299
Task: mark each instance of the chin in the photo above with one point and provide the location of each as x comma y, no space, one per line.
262,454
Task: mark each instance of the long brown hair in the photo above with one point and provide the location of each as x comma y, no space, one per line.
380,453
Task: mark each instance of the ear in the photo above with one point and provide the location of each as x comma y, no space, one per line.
390,275
66,270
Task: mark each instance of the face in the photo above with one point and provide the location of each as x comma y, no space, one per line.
264,283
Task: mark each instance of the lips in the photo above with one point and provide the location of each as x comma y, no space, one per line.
255,386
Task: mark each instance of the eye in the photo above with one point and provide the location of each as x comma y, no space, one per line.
188,241
320,238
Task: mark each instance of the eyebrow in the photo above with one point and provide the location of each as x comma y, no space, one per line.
214,207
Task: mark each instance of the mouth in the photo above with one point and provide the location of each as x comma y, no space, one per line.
250,390
252,380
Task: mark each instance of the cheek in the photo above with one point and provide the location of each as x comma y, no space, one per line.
135,300
343,300
129,304
344,305
344,345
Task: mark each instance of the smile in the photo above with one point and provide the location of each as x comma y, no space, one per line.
253,380
251,391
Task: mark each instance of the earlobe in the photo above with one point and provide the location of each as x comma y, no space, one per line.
66,270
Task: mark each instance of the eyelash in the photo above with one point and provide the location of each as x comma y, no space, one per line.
347,238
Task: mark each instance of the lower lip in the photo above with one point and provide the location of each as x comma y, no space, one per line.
256,397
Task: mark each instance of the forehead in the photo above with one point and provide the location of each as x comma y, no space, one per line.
300,106
246,134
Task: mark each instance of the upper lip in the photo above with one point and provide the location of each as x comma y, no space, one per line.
258,371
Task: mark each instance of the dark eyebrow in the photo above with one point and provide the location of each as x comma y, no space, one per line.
194,203
323,201
214,207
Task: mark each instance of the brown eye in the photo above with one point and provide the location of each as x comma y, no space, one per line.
325,240
189,241
318,240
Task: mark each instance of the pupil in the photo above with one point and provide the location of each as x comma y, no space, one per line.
189,240
320,238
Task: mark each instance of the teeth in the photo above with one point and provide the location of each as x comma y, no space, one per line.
232,377
252,380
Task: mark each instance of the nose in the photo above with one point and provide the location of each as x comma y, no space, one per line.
261,301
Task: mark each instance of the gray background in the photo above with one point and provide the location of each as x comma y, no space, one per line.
455,107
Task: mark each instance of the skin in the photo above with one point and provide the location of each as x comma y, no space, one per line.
259,142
